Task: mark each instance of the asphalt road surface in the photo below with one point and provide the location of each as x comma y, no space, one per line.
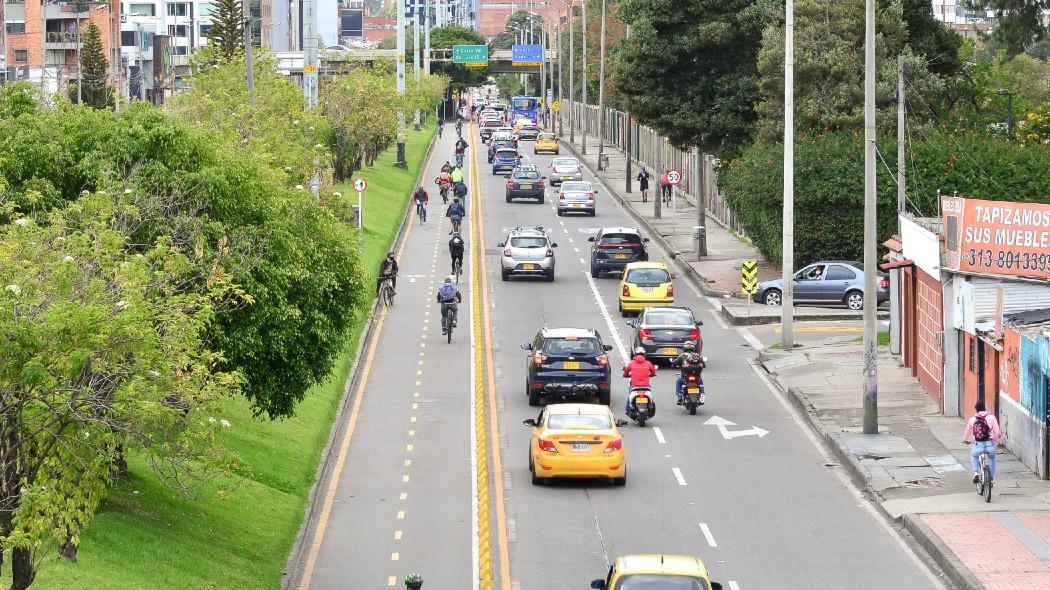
764,512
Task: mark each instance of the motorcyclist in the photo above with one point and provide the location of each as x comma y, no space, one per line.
456,174
688,358
639,370
387,270
456,246
448,295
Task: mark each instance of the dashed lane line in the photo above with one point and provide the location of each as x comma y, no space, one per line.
605,314
659,435
706,530
678,476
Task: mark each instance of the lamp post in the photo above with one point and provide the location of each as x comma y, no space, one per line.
1009,111
601,94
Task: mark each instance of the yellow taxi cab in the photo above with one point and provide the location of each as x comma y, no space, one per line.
645,284
546,142
577,441
657,572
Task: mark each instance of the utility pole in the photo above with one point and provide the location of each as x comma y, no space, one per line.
572,74
3,40
116,62
248,60
583,128
871,381
601,94
901,113
426,36
310,61
628,147
415,53
401,163
561,125
700,174
787,297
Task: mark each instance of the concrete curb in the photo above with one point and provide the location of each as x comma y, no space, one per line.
951,565
735,320
293,570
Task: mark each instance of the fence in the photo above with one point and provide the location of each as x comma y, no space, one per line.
656,153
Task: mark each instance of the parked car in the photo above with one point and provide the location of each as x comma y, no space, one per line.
616,247
505,160
525,183
834,282
563,169
577,441
546,142
527,252
577,196
663,332
567,363
498,144
657,571
645,284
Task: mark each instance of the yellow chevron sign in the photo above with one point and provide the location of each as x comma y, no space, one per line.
749,277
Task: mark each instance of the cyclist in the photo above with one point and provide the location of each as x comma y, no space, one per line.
639,370
387,270
441,127
420,197
448,296
443,180
461,151
456,246
459,127
984,429
456,212
456,174
446,167
688,358
460,191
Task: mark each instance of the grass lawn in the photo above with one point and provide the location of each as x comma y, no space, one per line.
238,530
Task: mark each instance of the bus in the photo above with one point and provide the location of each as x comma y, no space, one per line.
525,106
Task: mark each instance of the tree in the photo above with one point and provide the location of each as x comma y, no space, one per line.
96,93
227,28
1019,23
459,74
691,68
928,37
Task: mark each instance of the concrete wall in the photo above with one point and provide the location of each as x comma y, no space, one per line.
1022,434
950,385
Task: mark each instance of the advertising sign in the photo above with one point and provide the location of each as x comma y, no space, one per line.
996,237
526,55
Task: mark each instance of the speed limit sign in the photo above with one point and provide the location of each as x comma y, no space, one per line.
674,177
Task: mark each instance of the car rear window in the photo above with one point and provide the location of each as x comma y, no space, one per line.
526,175
572,347
507,154
566,162
528,242
579,422
546,136
493,123
668,317
618,239
659,582
648,276
575,186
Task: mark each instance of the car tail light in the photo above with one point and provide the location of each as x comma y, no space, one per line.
603,360
510,184
614,445
884,283
546,445
550,252
626,291
607,246
506,252
691,378
603,385
590,196
694,335
538,359
670,290
645,334
541,183
537,385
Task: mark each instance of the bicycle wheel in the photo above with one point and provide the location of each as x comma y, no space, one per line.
388,294
986,477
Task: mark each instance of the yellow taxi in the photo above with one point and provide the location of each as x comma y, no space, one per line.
645,284
576,441
546,142
657,572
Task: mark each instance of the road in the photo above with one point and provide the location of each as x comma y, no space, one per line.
763,512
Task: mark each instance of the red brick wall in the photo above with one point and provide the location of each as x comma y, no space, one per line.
1010,365
929,362
32,40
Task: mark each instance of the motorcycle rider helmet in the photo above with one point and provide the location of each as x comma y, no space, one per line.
689,345
639,350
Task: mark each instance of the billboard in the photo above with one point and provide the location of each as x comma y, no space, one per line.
526,55
996,237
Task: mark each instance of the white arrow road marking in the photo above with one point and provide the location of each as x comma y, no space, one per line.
678,475
707,534
659,435
723,425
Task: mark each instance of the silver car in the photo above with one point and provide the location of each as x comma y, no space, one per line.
527,252
563,169
576,196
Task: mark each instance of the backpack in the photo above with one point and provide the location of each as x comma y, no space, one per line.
981,431
447,292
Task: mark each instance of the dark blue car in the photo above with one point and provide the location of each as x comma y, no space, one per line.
505,160
567,363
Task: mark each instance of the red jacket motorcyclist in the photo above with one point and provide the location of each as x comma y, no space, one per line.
639,370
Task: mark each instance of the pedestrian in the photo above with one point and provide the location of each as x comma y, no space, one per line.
643,184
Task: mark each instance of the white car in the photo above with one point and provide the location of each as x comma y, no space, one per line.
576,196
564,170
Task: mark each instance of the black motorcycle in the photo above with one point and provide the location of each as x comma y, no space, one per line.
692,396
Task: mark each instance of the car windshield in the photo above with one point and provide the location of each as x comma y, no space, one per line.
526,175
569,187
579,422
647,276
668,317
573,347
528,242
619,239
566,163
659,582
546,136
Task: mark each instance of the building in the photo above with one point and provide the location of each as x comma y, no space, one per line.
955,12
1024,387
157,38
493,14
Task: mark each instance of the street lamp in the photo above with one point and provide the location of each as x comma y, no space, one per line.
1009,111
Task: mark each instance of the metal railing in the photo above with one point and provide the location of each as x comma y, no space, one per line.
657,154
61,37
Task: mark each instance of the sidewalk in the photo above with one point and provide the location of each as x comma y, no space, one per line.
918,471
718,272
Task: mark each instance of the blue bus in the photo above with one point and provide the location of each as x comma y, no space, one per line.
525,106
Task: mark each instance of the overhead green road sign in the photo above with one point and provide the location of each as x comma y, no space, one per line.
469,54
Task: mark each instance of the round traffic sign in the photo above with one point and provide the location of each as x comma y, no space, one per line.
360,185
674,176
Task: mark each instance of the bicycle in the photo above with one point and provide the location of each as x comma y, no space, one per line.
457,269
441,128
386,291
446,319
456,223
984,479
421,211
444,193
459,160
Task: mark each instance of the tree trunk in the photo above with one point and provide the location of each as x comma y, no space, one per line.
68,549
121,462
22,571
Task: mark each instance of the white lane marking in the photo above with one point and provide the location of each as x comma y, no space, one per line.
561,222
570,239
678,476
723,426
750,338
605,314
843,478
659,435
715,303
733,585
582,261
577,249
707,534
722,323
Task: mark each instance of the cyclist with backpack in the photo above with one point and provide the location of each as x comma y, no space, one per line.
984,429
456,247
456,212
449,297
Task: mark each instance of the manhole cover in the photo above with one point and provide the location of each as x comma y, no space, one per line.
924,483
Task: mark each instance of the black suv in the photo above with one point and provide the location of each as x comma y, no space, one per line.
663,332
614,247
525,183
567,363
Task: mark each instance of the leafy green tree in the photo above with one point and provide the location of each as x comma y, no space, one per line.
101,347
518,19
928,37
96,92
227,28
445,38
691,68
17,98
1019,23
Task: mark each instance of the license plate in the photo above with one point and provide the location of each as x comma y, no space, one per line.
566,177
526,186
580,447
620,256
647,289
528,266
571,365
641,399
668,351
692,390
577,206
